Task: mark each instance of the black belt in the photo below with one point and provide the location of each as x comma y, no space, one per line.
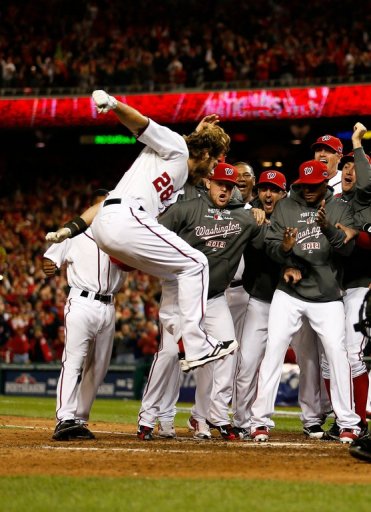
234,284
98,296
117,200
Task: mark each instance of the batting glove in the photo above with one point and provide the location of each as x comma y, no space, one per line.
58,236
103,101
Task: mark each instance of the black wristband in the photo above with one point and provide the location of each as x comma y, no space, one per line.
76,226
367,228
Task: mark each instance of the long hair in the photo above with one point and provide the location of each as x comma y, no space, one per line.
212,138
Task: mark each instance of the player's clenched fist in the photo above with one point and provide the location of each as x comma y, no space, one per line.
103,101
58,236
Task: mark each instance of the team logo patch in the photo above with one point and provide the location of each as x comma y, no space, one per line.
271,175
228,171
308,170
326,137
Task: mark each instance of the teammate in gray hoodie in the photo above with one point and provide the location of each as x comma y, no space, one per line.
303,235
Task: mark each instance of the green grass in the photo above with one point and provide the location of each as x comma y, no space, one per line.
168,495
64,494
111,411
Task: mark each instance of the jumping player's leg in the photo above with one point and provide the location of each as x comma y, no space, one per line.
133,237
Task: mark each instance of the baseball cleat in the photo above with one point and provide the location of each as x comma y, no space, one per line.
348,435
200,428
244,433
145,433
260,434
333,433
228,432
66,430
221,349
166,429
361,449
314,432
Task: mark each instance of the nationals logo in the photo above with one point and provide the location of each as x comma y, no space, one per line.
228,171
271,175
308,170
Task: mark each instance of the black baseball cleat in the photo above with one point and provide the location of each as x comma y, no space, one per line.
145,433
361,449
333,433
221,349
82,433
66,430
314,431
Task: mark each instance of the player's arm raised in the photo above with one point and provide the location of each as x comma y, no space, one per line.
128,116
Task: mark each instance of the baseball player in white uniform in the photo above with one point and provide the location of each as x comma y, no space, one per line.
89,328
125,226
313,397
302,234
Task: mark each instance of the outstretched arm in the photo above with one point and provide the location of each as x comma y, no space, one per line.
127,115
74,227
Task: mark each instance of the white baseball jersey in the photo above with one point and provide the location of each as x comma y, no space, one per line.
126,227
89,323
158,174
88,268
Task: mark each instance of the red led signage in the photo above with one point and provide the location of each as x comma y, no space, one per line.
241,105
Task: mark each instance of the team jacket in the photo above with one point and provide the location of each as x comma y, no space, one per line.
316,252
261,273
357,268
221,234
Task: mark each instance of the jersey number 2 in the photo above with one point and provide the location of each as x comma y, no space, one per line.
163,186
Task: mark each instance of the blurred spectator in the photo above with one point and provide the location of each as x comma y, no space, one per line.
18,346
33,306
124,345
174,47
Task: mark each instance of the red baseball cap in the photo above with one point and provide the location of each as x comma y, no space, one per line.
312,172
224,172
350,158
273,177
329,141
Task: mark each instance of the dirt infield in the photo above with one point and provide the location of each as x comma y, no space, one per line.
27,449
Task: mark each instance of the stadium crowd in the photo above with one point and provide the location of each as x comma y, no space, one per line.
105,44
32,306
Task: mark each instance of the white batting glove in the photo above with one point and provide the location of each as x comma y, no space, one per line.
58,236
103,101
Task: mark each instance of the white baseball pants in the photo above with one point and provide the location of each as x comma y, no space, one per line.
89,331
129,234
285,319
